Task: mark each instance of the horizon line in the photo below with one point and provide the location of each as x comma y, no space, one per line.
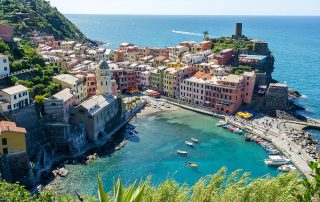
151,14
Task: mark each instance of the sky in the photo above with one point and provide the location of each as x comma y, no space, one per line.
190,7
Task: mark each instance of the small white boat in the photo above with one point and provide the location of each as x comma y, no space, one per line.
221,123
276,160
167,105
189,143
154,106
238,131
194,140
287,168
182,152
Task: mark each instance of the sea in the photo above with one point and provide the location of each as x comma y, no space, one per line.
295,44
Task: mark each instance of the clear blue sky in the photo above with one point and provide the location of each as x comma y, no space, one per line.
190,7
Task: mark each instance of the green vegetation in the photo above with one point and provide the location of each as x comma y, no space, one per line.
219,187
41,81
21,55
241,69
237,44
40,16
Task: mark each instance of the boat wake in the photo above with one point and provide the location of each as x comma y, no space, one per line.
187,33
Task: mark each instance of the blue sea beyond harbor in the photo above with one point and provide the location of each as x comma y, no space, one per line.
295,43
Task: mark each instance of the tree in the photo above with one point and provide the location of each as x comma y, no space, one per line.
205,34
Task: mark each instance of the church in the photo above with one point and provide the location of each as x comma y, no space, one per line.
102,111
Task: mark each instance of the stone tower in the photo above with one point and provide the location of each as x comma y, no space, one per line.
103,77
238,30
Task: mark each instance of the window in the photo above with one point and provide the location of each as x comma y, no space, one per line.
5,68
4,141
5,150
4,60
15,97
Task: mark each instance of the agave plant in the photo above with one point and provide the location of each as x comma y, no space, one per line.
120,194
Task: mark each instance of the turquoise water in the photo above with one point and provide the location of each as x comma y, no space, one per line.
153,153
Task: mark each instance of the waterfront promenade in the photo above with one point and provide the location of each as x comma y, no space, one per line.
278,138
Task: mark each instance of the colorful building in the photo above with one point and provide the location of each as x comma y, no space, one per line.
4,65
91,84
13,138
77,84
14,97
156,78
224,56
6,33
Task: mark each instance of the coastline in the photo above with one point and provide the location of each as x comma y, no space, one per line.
278,138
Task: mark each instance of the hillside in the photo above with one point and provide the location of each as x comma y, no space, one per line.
27,16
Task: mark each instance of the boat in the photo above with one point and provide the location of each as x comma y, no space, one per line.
276,160
194,140
154,106
189,143
227,126
182,152
287,168
248,137
221,123
238,131
273,151
191,164
167,105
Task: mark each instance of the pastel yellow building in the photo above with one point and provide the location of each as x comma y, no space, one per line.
175,64
13,138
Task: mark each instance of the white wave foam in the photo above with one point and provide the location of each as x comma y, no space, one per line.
304,96
187,33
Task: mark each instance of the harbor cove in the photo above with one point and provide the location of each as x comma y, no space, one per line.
152,152
158,108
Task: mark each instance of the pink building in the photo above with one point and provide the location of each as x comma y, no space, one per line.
131,80
91,83
205,45
224,56
226,94
114,87
6,33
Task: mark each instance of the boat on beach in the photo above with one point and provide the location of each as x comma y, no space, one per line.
167,105
276,160
189,143
182,152
194,140
287,168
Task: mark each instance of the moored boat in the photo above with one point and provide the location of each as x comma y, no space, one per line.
189,143
194,140
287,168
221,123
190,164
182,152
276,160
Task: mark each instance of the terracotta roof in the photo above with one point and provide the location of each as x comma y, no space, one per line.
11,126
201,75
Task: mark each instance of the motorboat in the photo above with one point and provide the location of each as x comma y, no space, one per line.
167,105
276,160
287,168
221,123
182,152
194,140
248,137
190,164
238,131
189,143
154,106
